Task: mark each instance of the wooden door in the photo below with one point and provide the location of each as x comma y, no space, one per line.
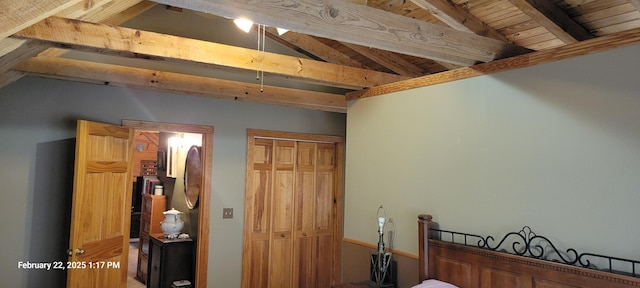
257,227
280,268
324,215
292,212
101,206
305,195
314,226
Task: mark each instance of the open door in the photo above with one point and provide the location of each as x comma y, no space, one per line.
98,246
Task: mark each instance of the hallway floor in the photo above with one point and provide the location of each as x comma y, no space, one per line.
133,263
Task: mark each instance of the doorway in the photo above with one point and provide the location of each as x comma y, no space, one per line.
201,217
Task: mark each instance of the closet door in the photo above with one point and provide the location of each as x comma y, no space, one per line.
324,215
282,219
292,226
255,261
314,234
304,234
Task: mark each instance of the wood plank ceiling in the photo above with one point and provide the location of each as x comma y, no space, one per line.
342,50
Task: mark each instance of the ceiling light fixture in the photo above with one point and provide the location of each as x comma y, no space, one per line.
244,24
281,31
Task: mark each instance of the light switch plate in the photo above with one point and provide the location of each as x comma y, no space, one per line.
227,213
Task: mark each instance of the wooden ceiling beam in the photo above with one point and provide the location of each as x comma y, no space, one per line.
635,3
108,11
143,44
115,14
27,50
551,17
308,45
593,45
458,18
121,76
9,77
361,25
17,15
9,44
389,60
316,48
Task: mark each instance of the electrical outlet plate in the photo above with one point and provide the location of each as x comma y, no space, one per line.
227,213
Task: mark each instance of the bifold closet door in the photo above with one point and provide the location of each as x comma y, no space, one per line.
289,214
255,261
313,245
282,220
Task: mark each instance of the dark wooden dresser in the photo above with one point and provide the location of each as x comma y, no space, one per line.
169,261
150,218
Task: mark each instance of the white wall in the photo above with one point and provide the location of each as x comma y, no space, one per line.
38,123
554,146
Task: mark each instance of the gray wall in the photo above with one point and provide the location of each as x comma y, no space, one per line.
37,124
553,146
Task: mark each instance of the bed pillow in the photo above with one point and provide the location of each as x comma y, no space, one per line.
431,283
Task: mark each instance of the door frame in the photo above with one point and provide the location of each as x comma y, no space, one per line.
204,200
252,134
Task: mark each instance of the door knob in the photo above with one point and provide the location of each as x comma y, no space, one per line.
79,251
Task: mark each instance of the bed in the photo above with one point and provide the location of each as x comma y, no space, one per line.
519,259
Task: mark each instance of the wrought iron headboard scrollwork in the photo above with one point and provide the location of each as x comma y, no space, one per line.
526,243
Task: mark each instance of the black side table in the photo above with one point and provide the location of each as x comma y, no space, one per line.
390,278
169,261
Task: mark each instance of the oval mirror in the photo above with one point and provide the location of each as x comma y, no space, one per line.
192,176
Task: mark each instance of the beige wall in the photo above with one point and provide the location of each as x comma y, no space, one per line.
554,146
37,124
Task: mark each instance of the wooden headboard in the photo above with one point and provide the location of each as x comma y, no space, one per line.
467,266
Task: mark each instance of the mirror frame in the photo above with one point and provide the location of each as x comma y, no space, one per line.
193,176
206,156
